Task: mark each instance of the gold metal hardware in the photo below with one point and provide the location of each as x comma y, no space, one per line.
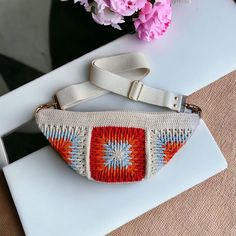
53,104
193,108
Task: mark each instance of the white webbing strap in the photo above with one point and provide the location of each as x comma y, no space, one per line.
121,74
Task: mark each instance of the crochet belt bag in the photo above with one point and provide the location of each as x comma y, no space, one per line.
117,146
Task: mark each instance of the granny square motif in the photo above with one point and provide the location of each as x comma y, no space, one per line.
70,144
117,154
164,143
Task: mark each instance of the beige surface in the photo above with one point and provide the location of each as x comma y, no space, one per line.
207,209
9,222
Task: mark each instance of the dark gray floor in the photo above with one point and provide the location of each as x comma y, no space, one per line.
35,37
24,26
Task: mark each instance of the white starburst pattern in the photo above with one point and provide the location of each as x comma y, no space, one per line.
117,154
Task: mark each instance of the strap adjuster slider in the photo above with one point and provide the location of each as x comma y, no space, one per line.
135,90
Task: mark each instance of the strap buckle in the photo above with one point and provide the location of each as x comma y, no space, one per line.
135,90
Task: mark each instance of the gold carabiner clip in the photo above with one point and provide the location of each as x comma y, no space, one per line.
53,104
193,108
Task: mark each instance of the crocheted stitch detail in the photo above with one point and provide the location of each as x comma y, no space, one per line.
143,120
117,154
164,144
70,143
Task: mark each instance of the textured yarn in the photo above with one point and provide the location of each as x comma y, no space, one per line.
116,146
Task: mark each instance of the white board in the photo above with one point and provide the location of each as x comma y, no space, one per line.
53,200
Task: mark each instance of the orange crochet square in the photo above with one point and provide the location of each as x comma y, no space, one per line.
117,154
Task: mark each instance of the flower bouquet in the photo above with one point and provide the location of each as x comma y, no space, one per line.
150,18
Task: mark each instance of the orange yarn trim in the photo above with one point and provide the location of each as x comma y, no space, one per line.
63,147
170,149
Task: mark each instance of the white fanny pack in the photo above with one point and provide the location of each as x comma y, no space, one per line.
117,146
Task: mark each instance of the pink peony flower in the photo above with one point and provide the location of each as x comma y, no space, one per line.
153,20
126,7
85,3
82,2
100,5
104,16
